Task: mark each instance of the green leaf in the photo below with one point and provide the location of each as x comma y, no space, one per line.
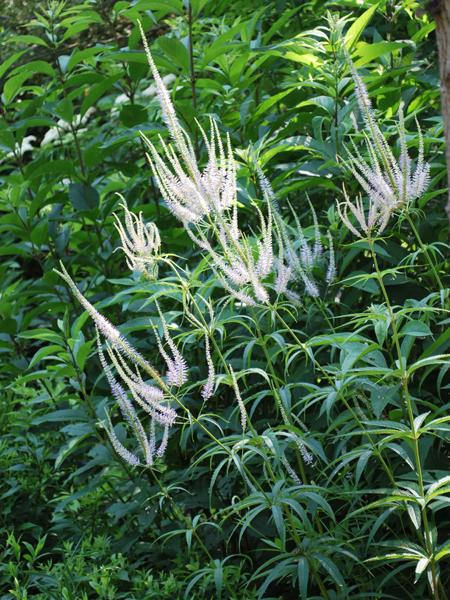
439,345
83,197
22,74
66,414
82,354
173,49
198,6
68,449
133,114
44,334
98,90
6,64
64,110
126,56
285,17
331,568
305,58
81,55
50,167
369,52
355,31
416,329
269,102
277,515
303,577
28,39
422,564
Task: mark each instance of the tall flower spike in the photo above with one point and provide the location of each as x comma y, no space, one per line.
149,397
170,117
331,271
126,407
125,454
290,470
165,439
303,262
292,265
208,388
177,370
114,337
241,266
240,402
140,242
189,192
389,183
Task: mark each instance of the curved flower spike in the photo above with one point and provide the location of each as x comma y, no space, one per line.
116,339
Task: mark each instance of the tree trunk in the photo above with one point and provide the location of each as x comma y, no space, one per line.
440,9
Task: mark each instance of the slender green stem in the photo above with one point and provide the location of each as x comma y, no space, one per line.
179,514
276,392
424,250
330,380
190,20
321,305
409,407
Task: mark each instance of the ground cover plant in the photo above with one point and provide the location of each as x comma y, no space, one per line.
224,302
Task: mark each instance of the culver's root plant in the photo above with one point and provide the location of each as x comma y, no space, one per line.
322,429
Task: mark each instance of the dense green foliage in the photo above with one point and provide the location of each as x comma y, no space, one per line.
225,513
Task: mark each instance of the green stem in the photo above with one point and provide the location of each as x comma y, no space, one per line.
192,70
179,514
276,393
409,407
424,250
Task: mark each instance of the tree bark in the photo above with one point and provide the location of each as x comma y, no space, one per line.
440,9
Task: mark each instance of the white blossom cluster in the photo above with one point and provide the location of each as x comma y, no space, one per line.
206,199
151,397
240,402
241,265
140,242
177,370
208,388
190,193
390,184
297,258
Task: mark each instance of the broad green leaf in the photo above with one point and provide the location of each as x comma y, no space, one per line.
14,84
303,577
358,26
416,329
369,52
98,90
269,102
177,52
6,64
28,39
310,60
83,197
68,449
133,114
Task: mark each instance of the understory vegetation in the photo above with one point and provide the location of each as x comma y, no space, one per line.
224,302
